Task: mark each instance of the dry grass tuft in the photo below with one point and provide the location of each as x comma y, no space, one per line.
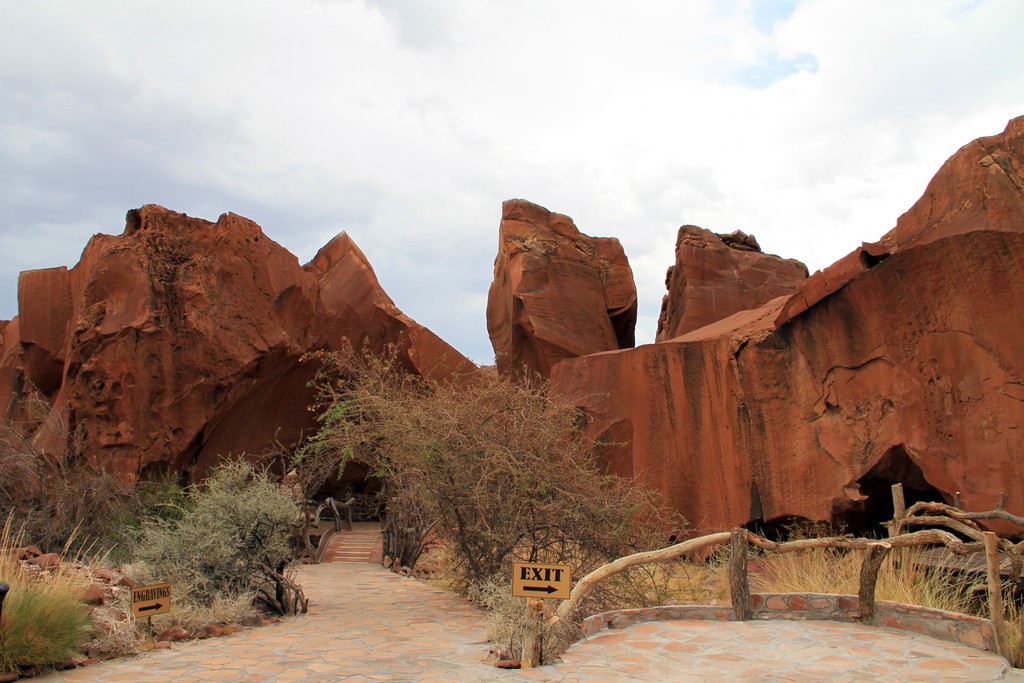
44,621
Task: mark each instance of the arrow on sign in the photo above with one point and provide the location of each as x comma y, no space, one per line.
540,589
151,608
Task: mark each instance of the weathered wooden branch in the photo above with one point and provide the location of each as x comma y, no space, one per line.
956,513
970,531
588,582
873,556
995,593
333,504
531,630
923,537
899,510
739,586
298,604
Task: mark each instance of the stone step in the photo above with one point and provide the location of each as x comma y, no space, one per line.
357,546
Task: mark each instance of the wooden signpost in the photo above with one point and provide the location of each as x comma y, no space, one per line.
148,601
534,581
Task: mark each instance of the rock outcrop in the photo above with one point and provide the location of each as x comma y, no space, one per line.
902,362
981,187
715,276
557,293
180,341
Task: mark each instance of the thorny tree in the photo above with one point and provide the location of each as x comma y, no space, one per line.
496,468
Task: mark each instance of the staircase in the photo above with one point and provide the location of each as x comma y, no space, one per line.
361,544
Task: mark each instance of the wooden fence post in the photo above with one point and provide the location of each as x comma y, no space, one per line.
739,585
873,556
995,592
531,629
899,510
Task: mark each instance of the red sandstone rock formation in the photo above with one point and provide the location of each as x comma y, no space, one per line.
715,276
903,362
557,293
179,341
979,187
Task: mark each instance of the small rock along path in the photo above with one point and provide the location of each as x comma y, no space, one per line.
368,624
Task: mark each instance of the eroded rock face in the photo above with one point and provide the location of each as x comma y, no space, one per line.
757,422
557,293
179,342
715,276
903,362
981,187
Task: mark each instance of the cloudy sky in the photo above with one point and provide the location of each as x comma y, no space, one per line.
811,124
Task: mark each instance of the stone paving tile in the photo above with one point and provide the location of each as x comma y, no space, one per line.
808,651
367,624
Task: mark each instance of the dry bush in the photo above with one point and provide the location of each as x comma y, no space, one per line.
46,485
497,470
114,634
499,465
507,618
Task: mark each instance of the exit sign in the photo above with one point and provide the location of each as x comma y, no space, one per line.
532,580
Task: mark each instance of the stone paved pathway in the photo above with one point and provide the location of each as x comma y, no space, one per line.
797,651
367,624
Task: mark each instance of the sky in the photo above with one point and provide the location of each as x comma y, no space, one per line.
811,124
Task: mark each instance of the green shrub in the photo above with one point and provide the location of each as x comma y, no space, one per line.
230,541
162,498
44,621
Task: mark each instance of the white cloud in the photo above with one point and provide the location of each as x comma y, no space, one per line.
812,124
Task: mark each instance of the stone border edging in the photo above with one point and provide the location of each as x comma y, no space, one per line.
952,627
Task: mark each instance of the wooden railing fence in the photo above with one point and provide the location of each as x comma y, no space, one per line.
919,514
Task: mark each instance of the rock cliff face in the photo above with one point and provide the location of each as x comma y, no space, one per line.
981,187
179,341
557,293
715,276
902,362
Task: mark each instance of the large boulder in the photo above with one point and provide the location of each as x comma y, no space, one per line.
557,293
715,276
902,362
180,341
44,304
